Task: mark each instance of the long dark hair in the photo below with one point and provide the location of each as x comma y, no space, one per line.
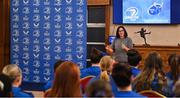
117,32
174,64
153,66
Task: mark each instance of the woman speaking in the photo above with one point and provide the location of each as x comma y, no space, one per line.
121,44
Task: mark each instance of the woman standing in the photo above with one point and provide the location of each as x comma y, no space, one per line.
120,45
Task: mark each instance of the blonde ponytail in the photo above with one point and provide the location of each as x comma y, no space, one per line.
104,76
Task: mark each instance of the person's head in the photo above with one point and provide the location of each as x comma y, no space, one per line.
171,58
153,62
99,88
14,72
121,32
121,75
153,68
134,57
5,86
95,56
174,65
106,64
142,29
67,81
58,63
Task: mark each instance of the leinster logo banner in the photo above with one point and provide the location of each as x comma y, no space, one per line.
44,31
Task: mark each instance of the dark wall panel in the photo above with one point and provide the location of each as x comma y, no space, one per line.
96,35
96,15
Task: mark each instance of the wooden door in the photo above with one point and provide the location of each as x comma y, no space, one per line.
4,33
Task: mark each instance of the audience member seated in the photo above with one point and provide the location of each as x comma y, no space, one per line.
66,82
122,77
152,76
49,83
5,86
94,70
15,73
99,88
176,89
174,74
134,59
106,64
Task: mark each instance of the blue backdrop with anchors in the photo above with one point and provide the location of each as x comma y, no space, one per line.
44,31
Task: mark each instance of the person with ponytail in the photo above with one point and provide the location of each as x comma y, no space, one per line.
106,65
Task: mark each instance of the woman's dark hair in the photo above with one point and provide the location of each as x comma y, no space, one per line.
117,32
153,68
174,64
154,61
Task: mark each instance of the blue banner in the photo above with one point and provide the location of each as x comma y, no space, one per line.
44,31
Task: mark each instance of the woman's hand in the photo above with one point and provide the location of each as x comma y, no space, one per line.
109,50
108,47
125,47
